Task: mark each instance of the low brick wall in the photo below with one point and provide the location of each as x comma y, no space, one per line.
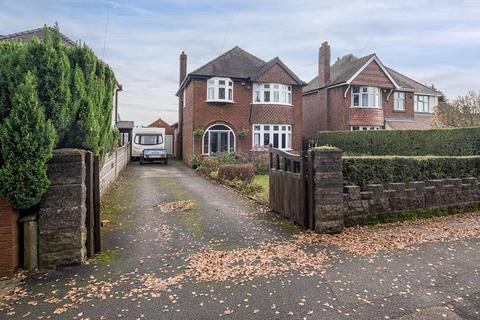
62,215
377,201
8,239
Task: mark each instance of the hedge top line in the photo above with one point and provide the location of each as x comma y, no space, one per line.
434,142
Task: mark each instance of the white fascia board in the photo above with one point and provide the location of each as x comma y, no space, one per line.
374,58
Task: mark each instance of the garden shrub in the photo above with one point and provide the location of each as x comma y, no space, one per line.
27,141
243,172
260,161
438,142
388,169
71,92
208,165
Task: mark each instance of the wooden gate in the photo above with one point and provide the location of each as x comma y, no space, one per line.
288,186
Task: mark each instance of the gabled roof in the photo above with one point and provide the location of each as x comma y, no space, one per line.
411,85
159,123
348,67
270,64
237,63
30,34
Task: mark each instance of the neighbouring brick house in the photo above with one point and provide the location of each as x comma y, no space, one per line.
238,102
362,94
169,134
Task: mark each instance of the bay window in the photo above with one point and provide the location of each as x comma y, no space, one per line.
399,101
422,104
278,135
366,97
272,93
219,90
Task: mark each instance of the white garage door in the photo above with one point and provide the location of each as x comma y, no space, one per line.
169,143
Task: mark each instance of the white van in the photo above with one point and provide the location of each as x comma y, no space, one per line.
149,145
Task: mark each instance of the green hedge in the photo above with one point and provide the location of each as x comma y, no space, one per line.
365,170
437,142
51,96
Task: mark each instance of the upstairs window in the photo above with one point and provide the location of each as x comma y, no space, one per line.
422,104
220,90
399,101
272,93
366,97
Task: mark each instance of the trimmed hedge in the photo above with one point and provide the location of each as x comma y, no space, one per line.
51,96
436,142
388,169
243,172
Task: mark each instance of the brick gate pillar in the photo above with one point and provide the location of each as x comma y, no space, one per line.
8,239
62,215
327,189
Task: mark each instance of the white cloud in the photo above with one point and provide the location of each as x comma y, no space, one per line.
434,42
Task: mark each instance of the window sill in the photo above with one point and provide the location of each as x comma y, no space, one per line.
399,111
420,112
220,101
369,108
273,103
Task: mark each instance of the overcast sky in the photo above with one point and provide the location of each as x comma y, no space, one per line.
432,41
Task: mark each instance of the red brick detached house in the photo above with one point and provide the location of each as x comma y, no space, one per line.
238,102
362,94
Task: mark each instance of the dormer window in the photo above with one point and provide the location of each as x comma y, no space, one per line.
272,93
220,90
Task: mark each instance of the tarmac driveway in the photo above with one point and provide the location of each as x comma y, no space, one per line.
177,246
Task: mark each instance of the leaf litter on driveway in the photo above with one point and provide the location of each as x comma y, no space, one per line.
266,260
180,205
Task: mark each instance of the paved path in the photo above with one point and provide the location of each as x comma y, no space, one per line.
145,246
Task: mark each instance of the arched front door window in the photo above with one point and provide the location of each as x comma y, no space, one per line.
217,139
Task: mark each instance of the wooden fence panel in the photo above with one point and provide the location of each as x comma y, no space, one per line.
288,189
113,165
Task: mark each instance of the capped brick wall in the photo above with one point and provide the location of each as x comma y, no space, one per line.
396,198
8,239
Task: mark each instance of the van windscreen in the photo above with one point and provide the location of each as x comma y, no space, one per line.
148,139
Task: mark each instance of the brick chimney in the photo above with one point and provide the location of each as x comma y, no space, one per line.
183,74
183,66
324,64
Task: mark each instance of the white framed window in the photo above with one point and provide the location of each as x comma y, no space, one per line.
217,139
423,103
272,93
399,101
219,90
365,128
366,97
278,135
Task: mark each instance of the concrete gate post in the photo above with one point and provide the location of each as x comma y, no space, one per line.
61,219
328,190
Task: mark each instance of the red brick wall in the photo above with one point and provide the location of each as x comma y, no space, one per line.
374,76
8,239
407,114
297,118
366,117
187,122
314,115
276,74
338,109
